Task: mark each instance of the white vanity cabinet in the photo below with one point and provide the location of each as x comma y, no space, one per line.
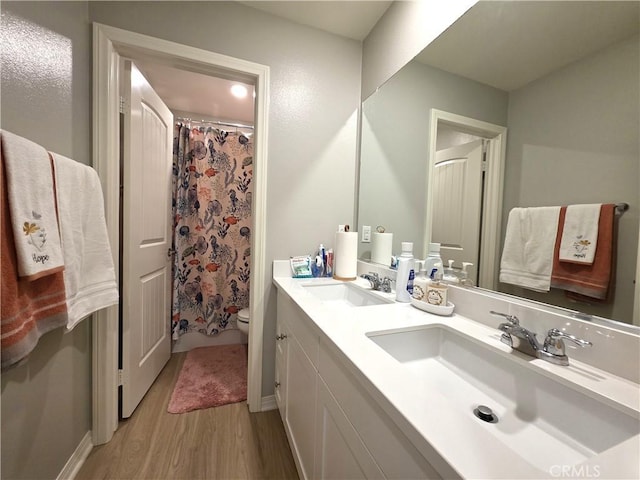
282,350
340,452
296,380
334,426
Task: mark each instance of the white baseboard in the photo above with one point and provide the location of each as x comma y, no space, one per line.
191,340
77,458
268,403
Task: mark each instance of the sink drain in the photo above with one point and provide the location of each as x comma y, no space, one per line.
485,414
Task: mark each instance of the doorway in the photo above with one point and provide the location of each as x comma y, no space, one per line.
491,192
109,45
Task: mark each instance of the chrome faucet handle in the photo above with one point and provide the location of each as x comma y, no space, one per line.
512,319
374,279
554,344
385,285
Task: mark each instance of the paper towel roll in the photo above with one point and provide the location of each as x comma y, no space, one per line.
346,256
381,248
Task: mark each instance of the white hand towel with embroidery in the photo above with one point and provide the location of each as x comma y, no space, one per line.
527,257
580,234
32,207
89,276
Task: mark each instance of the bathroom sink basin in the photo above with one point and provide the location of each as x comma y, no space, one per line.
344,294
542,420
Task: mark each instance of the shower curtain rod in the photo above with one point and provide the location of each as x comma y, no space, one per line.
236,125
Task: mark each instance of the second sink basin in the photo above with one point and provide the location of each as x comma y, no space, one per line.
542,420
345,294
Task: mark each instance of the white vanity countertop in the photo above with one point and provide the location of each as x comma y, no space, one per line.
428,418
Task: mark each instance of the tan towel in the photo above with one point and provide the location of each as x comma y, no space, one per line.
589,280
29,309
29,183
580,234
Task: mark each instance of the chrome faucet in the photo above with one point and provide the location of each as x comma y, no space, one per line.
553,349
517,336
525,341
377,283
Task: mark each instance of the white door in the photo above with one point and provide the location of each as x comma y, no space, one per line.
146,238
457,204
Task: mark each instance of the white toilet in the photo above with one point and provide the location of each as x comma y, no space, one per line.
243,321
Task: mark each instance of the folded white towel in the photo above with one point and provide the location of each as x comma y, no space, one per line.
32,207
89,276
527,257
580,234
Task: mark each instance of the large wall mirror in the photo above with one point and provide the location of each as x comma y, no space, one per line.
563,79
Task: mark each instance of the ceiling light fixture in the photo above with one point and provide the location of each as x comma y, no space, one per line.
239,91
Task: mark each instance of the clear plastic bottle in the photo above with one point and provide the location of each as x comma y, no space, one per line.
433,258
464,276
405,273
449,275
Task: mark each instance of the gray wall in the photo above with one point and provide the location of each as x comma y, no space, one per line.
402,32
573,138
45,96
395,143
315,93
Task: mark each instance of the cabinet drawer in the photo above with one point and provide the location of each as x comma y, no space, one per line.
394,453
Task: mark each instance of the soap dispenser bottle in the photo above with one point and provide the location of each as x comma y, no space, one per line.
404,277
421,282
464,275
450,274
437,290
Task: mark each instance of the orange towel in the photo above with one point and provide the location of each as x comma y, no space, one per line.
29,309
588,282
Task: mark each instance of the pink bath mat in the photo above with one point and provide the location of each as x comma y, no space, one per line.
210,377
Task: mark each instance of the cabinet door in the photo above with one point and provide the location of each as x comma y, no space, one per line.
301,407
396,456
280,388
340,453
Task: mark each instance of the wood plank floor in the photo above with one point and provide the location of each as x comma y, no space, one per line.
224,442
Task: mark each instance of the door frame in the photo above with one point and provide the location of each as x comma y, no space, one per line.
490,230
109,43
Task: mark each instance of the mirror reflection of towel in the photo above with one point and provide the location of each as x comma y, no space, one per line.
527,256
579,236
593,280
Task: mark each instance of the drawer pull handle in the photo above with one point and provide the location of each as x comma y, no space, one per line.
277,384
281,336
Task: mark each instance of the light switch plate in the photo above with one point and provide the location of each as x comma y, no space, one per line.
366,233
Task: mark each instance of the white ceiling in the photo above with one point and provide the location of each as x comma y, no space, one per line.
199,94
351,19
493,43
508,44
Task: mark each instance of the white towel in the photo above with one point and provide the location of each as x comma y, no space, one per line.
89,276
32,207
580,234
527,257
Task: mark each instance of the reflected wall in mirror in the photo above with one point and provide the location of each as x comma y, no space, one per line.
563,78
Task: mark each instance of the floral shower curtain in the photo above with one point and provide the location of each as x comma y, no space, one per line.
212,173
